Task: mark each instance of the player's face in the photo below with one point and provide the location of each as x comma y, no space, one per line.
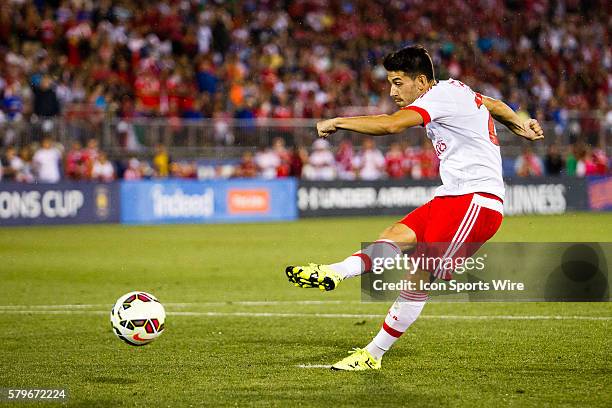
404,90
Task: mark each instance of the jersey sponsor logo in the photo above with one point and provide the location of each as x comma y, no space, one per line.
248,201
439,147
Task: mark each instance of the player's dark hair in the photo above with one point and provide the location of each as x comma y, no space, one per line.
413,61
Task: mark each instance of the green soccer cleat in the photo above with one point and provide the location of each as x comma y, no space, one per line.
313,276
358,360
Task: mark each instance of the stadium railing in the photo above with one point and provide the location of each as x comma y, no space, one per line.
226,138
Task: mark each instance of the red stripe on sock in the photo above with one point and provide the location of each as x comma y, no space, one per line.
391,330
417,296
366,261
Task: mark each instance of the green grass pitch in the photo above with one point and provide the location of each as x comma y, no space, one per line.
237,331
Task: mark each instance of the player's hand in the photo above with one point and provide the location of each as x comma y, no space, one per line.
532,130
326,127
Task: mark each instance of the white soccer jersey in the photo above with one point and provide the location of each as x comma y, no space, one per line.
462,132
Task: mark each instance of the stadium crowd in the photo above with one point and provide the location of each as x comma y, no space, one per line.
50,162
293,59
192,59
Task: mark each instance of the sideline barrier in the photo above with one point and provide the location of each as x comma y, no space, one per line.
182,201
545,195
398,197
249,200
58,204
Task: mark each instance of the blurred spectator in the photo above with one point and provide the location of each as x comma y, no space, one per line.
370,162
10,163
571,162
223,131
284,168
23,166
46,103
185,170
394,162
206,78
223,171
344,160
321,163
256,60
267,161
299,158
126,137
553,163
245,111
161,161
428,161
103,170
46,162
75,165
411,164
528,164
590,162
600,160
146,170
133,171
147,89
552,56
90,156
247,167
12,104
584,163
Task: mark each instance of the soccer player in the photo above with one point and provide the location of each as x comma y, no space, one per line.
466,210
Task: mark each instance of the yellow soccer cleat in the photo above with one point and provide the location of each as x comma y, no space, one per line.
313,276
358,360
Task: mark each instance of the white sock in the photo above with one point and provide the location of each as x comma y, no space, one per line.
401,315
362,261
375,351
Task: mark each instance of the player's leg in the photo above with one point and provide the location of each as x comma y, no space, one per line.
485,216
454,222
391,243
404,311
327,277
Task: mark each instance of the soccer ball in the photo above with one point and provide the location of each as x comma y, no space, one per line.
138,318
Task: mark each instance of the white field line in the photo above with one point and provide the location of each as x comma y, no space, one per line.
184,305
321,315
313,366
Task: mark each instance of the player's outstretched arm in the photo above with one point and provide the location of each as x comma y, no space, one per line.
501,112
371,125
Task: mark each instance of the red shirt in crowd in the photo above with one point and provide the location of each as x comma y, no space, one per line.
394,163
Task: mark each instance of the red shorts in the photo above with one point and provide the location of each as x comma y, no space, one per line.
454,226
